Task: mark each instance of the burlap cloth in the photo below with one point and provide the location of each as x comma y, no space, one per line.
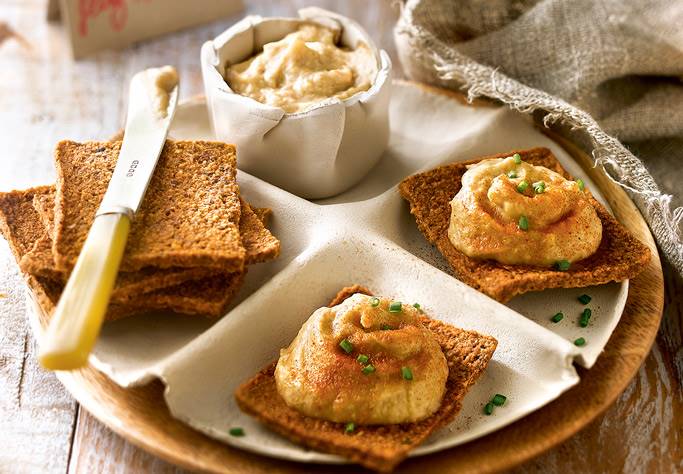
606,73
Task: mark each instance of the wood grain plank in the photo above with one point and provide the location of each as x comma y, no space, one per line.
670,337
98,449
36,412
640,433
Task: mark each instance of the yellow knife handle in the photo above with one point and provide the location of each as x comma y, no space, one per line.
77,320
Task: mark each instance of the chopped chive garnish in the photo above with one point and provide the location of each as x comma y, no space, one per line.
488,408
585,316
417,306
579,342
539,187
517,158
368,369
585,299
374,302
384,327
557,318
562,265
349,428
363,359
523,223
407,373
581,184
395,307
498,400
512,174
522,186
346,346
236,432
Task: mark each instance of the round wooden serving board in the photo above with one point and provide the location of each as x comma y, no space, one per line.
140,414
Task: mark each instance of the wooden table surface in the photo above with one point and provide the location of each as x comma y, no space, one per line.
45,96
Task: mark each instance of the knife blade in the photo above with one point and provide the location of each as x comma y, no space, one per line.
79,314
145,133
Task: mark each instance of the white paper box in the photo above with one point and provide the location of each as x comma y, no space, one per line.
315,153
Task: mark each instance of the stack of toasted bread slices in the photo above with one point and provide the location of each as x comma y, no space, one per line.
190,243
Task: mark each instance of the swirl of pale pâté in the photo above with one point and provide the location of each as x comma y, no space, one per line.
367,361
514,212
303,69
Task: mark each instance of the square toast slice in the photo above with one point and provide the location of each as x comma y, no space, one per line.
188,218
379,447
39,259
259,243
260,246
20,226
46,293
619,257
208,297
19,221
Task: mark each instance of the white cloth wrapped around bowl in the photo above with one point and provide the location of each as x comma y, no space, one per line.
316,153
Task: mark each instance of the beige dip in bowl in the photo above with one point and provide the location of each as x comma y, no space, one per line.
305,100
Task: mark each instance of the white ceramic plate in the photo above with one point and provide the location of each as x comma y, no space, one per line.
365,236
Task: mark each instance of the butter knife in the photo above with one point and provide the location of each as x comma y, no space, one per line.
77,320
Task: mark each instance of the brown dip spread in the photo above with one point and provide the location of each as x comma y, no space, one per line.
517,213
360,362
162,81
303,69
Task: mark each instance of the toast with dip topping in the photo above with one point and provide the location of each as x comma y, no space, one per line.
619,255
375,446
